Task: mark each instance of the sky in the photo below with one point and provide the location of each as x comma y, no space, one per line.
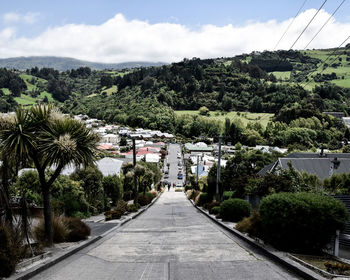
115,31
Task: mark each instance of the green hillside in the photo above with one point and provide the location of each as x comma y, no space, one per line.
244,117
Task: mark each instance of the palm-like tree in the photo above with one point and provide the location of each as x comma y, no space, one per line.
49,139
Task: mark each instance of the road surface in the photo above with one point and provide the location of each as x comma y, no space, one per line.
171,240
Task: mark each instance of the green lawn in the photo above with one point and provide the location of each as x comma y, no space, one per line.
245,117
282,75
110,90
6,91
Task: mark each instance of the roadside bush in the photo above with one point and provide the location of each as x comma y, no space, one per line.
143,200
150,196
215,210
227,195
133,207
234,209
301,222
154,193
60,230
203,199
77,229
212,204
12,249
251,225
188,187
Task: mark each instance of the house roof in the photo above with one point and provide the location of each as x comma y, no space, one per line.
321,167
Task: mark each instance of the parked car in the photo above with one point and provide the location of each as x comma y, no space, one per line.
166,176
179,176
166,172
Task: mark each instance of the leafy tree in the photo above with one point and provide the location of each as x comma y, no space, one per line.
41,134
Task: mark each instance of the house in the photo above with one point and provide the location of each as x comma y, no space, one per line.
108,167
320,164
198,148
110,138
346,121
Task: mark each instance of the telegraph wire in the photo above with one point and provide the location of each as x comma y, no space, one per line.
289,25
319,9
324,62
325,24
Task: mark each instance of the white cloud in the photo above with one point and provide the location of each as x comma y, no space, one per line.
30,17
120,39
10,18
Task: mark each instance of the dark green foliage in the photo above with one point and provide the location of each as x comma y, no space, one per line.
113,188
133,207
91,181
227,195
301,222
12,249
203,199
215,210
234,209
12,81
69,198
212,204
149,196
143,200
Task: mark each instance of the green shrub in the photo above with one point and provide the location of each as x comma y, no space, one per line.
143,200
188,187
301,222
150,196
77,229
215,210
133,207
227,195
203,199
59,229
12,249
251,225
212,204
234,209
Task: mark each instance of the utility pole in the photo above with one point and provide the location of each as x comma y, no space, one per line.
218,172
197,170
134,163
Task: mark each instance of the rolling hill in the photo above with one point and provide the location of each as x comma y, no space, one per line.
66,63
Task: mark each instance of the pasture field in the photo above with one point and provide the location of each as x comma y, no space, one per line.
244,117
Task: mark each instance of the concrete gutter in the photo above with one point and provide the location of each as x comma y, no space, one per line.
63,255
278,256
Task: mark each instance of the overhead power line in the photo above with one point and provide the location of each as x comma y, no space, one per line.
324,24
324,62
289,25
319,9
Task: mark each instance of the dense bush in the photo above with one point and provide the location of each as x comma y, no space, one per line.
227,195
143,200
301,222
59,228
234,209
77,229
133,207
11,249
215,210
212,204
251,225
150,196
203,199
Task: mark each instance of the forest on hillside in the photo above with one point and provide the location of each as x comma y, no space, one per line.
148,96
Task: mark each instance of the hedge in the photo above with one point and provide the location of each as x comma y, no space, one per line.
301,222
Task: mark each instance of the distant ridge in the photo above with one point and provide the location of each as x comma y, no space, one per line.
66,63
